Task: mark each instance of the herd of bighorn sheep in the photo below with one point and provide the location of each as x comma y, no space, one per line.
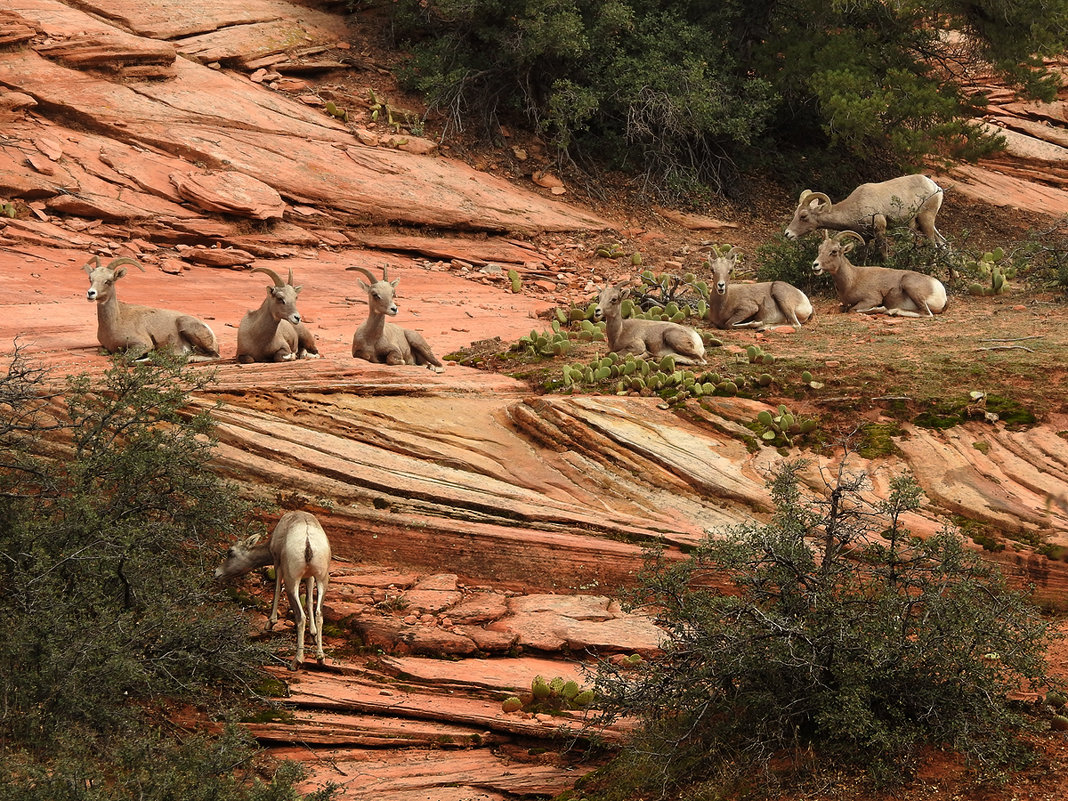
298,548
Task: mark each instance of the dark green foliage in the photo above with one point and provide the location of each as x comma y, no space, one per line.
692,91
837,640
790,260
109,537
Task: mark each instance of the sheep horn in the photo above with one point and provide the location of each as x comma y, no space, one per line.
94,258
272,273
808,196
849,235
385,273
366,272
123,260
290,281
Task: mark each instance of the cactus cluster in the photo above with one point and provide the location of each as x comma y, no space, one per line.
666,296
992,268
8,209
757,355
333,110
782,428
808,381
517,282
552,694
610,250
545,343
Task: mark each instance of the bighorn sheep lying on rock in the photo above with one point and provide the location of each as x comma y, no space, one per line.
274,332
385,343
877,290
299,550
909,199
654,338
752,305
140,329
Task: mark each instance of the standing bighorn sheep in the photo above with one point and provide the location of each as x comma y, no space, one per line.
655,338
385,343
909,199
299,550
752,305
877,290
274,332
140,329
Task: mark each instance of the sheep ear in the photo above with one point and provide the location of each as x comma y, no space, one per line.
251,540
625,293
119,273
394,282
298,288
363,285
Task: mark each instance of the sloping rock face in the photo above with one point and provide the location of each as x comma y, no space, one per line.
470,517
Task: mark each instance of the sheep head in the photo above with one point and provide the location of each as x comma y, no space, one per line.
811,207
833,251
282,296
102,278
722,261
379,291
611,298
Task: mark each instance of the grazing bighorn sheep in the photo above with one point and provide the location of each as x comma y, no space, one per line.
911,199
299,550
140,329
752,305
655,338
877,290
274,332
385,343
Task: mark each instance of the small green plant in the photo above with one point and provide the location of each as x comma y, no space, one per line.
611,250
517,282
782,428
333,110
993,270
550,695
757,355
554,343
8,209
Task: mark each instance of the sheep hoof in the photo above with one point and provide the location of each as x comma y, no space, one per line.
294,665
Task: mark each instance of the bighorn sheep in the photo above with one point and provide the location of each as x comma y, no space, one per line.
752,305
299,550
877,290
385,343
274,332
653,338
140,329
911,199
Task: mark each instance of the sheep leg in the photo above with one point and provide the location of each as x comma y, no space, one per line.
421,350
318,618
277,593
300,619
306,347
685,350
197,336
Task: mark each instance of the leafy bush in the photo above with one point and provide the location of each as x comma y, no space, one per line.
828,636
789,260
694,92
108,537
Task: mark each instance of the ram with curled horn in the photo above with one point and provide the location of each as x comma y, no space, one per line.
274,332
912,200
138,330
386,343
876,290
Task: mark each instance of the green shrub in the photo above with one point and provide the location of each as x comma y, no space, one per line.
838,640
108,538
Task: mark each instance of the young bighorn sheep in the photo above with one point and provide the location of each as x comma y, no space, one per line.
909,199
877,290
299,550
140,329
274,332
654,338
752,305
385,343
